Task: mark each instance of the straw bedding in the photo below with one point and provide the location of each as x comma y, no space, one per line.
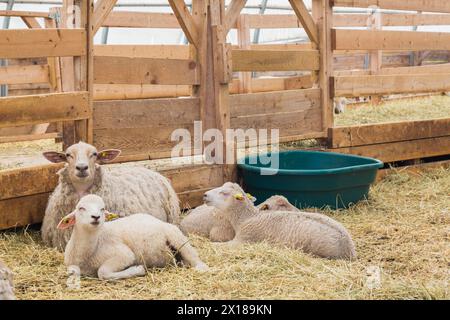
403,229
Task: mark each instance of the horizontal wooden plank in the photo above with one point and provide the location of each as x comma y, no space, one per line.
139,91
402,150
274,102
410,5
14,13
273,84
293,112
145,113
356,86
27,207
387,132
29,137
437,68
28,181
148,142
19,212
123,70
135,19
271,60
143,51
24,74
34,43
389,40
43,108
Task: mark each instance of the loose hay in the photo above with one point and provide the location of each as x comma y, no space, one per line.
426,108
403,229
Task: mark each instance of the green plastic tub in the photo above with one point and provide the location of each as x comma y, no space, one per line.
312,178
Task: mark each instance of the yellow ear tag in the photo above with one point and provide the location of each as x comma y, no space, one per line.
66,221
103,154
249,196
112,216
239,196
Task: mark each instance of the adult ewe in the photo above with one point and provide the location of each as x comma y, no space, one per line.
206,222
125,190
6,283
310,232
122,248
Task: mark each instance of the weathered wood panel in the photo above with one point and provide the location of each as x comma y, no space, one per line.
143,51
387,132
24,74
356,86
402,150
26,199
272,60
389,40
410,5
143,127
44,108
293,112
124,70
42,43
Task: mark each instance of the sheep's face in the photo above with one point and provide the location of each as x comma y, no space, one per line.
230,194
89,212
277,203
81,159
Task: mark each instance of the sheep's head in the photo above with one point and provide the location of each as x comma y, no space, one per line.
81,159
230,194
89,212
277,203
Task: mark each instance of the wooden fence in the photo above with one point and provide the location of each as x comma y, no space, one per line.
128,96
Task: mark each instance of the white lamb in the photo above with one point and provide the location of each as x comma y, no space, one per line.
125,190
122,248
6,283
206,222
311,232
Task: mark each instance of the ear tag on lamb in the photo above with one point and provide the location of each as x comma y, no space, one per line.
239,196
111,216
251,198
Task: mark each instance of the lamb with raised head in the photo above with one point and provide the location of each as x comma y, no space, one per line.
6,283
310,232
124,247
125,190
205,221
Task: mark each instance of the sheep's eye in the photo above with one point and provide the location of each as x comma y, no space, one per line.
68,155
102,209
95,154
224,193
81,208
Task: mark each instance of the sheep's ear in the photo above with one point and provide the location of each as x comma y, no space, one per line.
55,157
67,221
108,155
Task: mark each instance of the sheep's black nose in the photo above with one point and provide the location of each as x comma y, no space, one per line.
95,217
82,167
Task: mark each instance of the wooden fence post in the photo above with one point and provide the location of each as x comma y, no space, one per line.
77,72
322,12
376,56
213,56
243,36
